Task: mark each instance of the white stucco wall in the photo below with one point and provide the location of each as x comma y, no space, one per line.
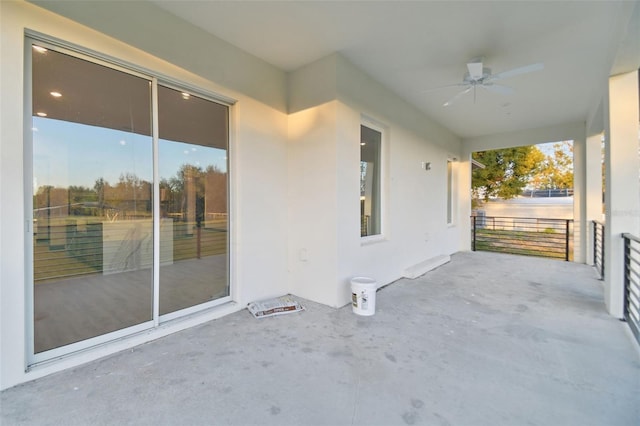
312,203
621,196
295,215
326,249
258,166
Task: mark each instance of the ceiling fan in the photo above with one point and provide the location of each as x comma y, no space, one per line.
478,75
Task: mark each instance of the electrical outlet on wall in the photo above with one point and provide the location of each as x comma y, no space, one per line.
302,255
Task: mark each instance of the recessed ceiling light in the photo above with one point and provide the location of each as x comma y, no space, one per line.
55,94
39,49
362,143
41,114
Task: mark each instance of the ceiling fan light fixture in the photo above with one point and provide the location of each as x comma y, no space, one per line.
476,71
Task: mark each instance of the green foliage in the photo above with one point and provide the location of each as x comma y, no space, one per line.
556,171
506,173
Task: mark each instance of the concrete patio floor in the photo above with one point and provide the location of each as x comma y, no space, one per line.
487,339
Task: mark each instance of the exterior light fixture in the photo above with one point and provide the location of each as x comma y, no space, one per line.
41,114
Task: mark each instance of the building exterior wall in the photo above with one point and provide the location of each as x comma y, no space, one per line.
622,196
294,165
326,249
258,149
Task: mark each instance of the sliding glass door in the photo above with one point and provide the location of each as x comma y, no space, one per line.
193,200
97,226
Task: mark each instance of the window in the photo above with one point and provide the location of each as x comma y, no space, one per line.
370,176
449,192
122,239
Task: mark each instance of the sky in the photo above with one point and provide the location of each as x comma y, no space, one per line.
67,153
549,148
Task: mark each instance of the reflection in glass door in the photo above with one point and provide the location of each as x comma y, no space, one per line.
97,226
92,199
193,200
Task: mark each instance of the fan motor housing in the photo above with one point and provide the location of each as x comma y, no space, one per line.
486,72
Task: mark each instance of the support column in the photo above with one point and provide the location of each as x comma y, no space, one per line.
622,182
593,189
579,200
464,199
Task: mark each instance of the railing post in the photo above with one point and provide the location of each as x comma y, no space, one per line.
566,240
626,274
595,243
473,246
602,252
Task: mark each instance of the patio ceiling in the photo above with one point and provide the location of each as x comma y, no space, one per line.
413,46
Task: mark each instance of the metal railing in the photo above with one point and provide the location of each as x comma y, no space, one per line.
548,193
632,283
542,237
598,247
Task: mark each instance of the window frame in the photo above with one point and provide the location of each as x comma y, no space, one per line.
377,126
451,191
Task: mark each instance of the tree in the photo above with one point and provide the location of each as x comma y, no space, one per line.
556,171
506,172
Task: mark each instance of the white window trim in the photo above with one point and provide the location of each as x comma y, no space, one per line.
378,126
453,201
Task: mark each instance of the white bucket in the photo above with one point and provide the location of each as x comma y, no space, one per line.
363,295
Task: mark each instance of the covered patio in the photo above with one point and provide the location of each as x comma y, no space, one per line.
487,339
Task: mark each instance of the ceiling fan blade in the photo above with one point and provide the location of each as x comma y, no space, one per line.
443,87
497,88
475,70
517,71
458,96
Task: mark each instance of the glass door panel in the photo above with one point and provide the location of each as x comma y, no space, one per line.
193,149
92,199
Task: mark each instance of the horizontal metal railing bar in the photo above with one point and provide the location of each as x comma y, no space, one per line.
548,241
598,247
631,237
545,237
536,238
530,247
632,283
634,251
633,302
524,218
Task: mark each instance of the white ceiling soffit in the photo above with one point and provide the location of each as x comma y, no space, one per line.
412,46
